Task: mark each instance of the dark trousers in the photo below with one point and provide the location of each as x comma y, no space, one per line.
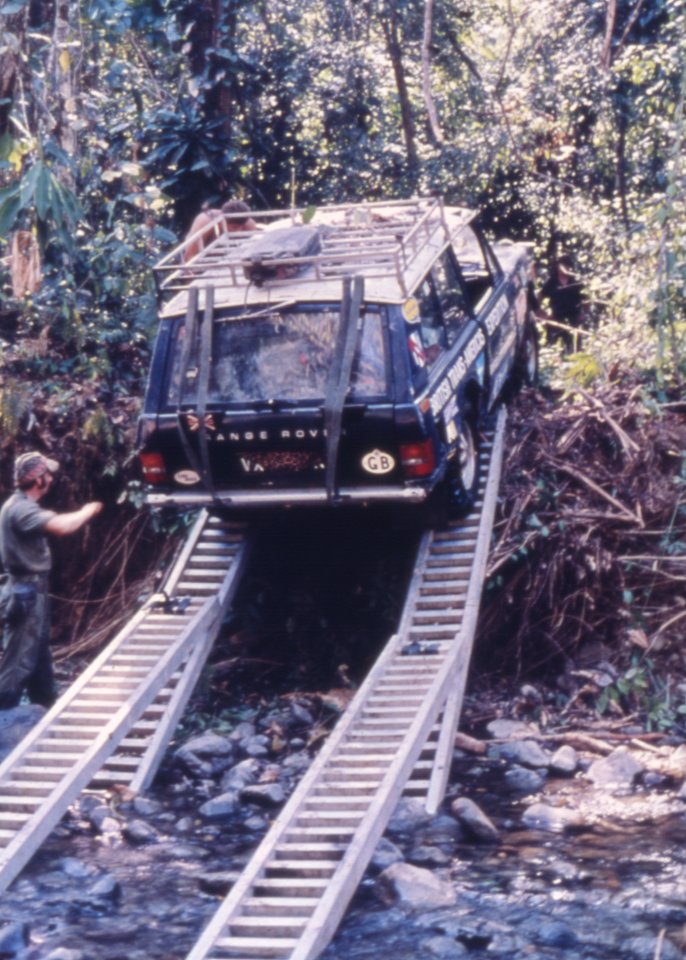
26,664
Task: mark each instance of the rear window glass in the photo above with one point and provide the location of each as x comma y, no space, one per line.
279,355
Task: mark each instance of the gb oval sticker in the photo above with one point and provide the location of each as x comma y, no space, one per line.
378,462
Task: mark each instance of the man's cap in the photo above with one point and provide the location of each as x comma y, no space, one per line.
30,466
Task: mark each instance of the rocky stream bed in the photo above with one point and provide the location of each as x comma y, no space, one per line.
543,849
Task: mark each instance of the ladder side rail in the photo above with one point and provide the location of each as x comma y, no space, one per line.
27,840
152,757
453,707
185,553
328,913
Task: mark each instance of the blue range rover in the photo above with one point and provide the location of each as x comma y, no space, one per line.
343,356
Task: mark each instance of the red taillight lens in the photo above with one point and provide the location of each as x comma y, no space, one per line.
417,459
154,469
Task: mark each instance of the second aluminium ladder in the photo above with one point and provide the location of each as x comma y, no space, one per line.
291,896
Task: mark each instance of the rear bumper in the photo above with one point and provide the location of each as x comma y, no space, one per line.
287,498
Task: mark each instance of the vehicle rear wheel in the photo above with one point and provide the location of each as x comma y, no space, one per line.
527,359
463,471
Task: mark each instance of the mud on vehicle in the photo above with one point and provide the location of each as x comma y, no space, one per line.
345,357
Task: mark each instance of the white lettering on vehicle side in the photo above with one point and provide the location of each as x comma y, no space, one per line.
493,319
446,388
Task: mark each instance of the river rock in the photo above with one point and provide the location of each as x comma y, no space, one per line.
555,933
510,729
76,869
408,816
525,753
16,723
301,715
428,855
140,832
618,771
219,807
297,762
105,887
414,888
194,764
444,947
240,775
385,854
477,824
257,746
14,938
442,831
242,732
145,807
564,761
210,745
541,816
263,794
64,953
521,780
218,882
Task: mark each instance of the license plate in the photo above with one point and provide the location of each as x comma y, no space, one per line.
283,461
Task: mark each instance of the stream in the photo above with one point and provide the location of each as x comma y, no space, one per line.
612,887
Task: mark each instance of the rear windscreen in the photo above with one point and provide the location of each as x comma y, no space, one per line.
280,355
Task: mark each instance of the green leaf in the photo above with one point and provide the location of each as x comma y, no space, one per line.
28,183
13,6
6,146
309,212
10,205
42,191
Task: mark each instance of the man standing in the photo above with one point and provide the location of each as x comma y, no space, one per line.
27,664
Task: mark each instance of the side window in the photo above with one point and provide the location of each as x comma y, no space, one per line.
451,295
431,323
476,266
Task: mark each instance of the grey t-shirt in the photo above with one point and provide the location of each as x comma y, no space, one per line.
24,547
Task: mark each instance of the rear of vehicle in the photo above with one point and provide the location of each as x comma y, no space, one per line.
250,418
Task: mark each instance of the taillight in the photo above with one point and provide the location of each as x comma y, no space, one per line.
417,459
154,469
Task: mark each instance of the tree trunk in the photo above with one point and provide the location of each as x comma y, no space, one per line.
63,78
12,30
434,122
606,55
392,35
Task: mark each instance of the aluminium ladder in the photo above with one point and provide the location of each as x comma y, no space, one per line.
121,710
291,896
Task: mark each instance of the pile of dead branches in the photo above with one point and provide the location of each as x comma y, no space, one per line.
590,542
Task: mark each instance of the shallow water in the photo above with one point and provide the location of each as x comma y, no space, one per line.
609,890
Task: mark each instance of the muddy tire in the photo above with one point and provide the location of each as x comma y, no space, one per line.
462,481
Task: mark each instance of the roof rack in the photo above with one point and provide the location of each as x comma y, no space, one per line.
380,239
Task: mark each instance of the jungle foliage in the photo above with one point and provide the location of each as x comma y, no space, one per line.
563,120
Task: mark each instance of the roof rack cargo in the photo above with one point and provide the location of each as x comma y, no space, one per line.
376,240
